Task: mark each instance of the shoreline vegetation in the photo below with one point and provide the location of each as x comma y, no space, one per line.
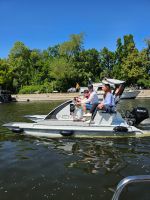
68,64
62,96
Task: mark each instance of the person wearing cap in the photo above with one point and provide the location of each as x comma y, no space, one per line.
108,102
92,100
79,101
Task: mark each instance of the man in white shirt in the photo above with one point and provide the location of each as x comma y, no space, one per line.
92,100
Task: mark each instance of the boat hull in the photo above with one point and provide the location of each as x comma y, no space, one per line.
126,95
88,131
129,94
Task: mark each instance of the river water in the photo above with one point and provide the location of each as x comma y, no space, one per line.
34,168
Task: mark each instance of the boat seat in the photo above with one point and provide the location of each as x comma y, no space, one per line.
109,110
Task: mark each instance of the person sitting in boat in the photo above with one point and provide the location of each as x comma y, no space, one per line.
108,103
81,100
78,102
91,102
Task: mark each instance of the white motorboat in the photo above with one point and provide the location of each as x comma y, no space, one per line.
65,121
127,94
130,94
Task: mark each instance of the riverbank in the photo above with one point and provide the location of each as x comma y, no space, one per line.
62,96
44,97
143,94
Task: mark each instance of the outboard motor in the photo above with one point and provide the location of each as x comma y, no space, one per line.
137,115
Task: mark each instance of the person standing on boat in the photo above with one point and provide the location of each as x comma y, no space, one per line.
91,101
108,102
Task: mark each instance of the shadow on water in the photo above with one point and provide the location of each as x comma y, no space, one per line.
38,168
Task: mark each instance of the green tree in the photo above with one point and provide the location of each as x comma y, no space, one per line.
73,46
63,73
107,61
87,63
37,62
61,66
123,53
129,45
53,51
133,68
5,75
19,60
146,53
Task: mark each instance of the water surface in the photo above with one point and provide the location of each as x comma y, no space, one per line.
36,168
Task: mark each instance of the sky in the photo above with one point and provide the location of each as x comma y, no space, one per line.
43,23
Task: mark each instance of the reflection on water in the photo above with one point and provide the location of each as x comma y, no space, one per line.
37,168
105,156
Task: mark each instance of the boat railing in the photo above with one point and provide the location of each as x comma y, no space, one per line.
126,181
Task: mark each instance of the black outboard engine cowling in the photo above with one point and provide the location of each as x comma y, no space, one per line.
140,114
137,115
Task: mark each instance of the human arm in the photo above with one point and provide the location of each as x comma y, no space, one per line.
108,99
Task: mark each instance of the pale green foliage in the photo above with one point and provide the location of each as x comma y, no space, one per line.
60,68
73,46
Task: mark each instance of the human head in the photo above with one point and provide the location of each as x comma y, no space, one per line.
86,93
106,88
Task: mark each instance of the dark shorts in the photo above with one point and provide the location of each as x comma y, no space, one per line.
88,106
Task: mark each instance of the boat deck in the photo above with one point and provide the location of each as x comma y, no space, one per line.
65,123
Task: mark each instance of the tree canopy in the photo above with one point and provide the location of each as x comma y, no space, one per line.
61,66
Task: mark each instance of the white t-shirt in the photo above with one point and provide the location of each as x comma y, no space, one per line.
93,98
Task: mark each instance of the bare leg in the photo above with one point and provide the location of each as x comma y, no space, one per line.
84,108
